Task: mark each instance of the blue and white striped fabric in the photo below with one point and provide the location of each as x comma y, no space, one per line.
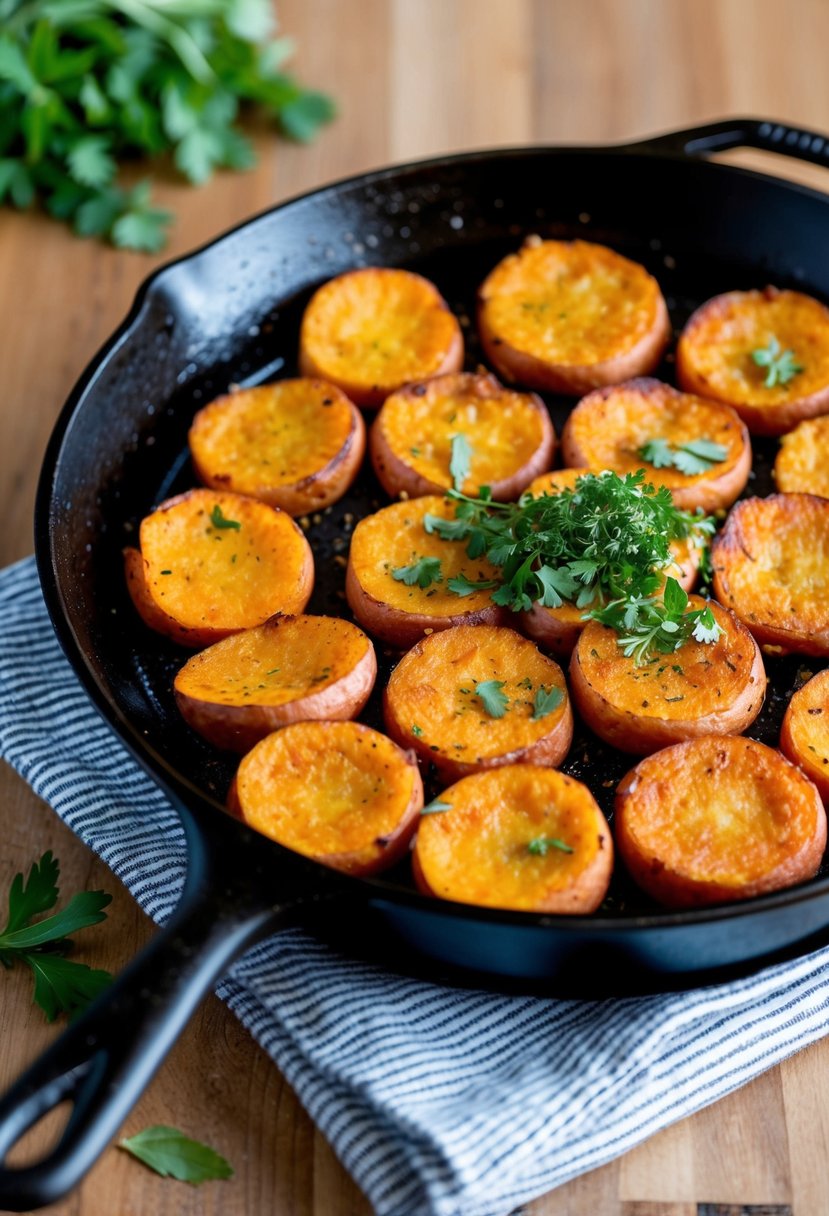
439,1102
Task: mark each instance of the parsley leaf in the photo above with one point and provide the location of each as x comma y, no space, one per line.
219,520
173,1155
697,456
781,365
494,701
61,986
546,700
461,585
460,460
659,626
423,572
541,846
436,807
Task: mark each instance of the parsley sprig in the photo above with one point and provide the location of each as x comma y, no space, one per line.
781,365
606,542
170,1153
697,456
85,84
61,986
421,573
660,625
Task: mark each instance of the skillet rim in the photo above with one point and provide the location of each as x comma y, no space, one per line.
190,802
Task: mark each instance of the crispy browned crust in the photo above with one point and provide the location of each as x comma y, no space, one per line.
403,629
760,419
717,489
751,525
640,735
661,776
400,479
238,727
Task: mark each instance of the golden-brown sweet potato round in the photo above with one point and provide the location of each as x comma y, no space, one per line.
805,734
557,629
338,792
214,563
509,434
290,669
714,356
609,426
296,444
718,819
771,568
432,706
394,539
802,464
700,689
570,316
370,331
521,837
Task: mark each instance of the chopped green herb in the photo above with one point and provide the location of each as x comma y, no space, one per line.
494,701
541,846
525,683
61,986
697,456
173,1155
423,572
461,585
165,572
460,460
415,451
219,520
436,807
781,365
272,671
546,701
417,731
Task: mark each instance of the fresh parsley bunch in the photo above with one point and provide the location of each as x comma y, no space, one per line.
603,546
87,83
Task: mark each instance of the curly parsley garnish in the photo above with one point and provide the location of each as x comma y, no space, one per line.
423,572
605,543
781,365
659,625
697,456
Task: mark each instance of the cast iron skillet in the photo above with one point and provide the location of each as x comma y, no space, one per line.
229,314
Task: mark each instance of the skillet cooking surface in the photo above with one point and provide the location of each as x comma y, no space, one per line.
230,315
159,466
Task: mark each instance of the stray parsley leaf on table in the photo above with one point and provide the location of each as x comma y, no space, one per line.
61,986
781,365
85,84
173,1155
696,456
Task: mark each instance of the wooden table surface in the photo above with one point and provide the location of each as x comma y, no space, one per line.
413,78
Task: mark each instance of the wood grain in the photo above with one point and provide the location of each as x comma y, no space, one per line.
413,77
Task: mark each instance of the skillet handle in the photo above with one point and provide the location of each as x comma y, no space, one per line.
105,1059
743,133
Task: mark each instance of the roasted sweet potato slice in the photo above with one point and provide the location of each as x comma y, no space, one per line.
212,564
805,734
521,837
398,574
557,629
802,464
718,819
645,424
335,791
477,697
570,316
290,669
788,332
370,331
296,444
771,568
700,689
507,437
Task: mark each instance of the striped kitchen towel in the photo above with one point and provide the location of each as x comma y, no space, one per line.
441,1102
